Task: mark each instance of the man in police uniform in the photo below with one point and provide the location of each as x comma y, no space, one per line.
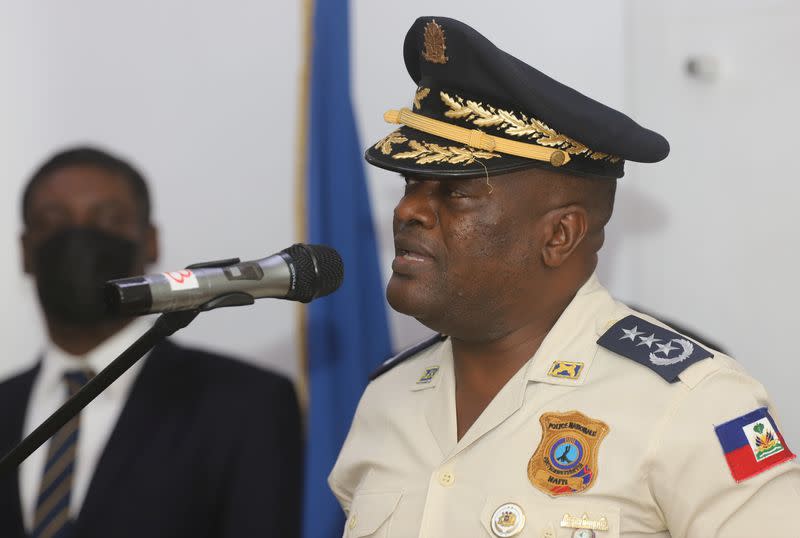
544,407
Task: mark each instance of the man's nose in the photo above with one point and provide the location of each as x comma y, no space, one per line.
417,206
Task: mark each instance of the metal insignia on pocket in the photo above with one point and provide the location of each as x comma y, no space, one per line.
583,522
508,520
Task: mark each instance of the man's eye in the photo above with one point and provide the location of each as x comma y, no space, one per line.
455,193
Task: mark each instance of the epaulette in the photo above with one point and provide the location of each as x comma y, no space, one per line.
405,354
665,352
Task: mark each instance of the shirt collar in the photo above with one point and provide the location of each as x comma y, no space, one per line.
56,361
573,339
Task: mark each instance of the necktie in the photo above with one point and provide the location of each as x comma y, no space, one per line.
51,519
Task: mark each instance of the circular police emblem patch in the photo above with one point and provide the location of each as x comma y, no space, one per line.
566,453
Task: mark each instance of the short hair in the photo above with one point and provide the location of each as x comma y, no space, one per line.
595,193
90,156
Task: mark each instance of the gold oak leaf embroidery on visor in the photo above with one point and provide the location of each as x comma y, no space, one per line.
489,116
427,153
385,144
419,96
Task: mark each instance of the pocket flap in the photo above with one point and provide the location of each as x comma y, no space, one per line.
369,511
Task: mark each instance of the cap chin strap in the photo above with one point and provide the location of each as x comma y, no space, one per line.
476,138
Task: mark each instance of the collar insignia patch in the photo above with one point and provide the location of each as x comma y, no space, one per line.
565,462
434,44
665,352
752,444
428,375
565,369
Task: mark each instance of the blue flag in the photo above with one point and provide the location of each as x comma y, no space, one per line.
347,332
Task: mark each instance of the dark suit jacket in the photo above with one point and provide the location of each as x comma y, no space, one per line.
204,447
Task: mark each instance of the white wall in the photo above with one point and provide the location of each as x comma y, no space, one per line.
203,96
708,238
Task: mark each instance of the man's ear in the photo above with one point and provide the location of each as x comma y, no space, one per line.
565,229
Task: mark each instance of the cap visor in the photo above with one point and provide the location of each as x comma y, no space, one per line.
414,152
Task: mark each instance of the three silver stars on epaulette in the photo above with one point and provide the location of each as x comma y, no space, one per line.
633,334
665,349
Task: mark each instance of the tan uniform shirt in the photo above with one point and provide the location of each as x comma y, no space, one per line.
659,471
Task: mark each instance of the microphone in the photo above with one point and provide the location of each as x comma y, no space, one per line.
298,273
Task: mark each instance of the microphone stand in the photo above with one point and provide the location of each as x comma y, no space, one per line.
166,325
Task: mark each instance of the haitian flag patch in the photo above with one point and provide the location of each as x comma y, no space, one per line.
752,444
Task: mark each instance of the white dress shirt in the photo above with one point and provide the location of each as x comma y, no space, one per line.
98,419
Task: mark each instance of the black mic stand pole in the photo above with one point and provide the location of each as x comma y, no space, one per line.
165,325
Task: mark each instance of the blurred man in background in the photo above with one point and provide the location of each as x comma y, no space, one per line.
184,444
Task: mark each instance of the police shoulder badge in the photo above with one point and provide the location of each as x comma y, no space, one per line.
565,462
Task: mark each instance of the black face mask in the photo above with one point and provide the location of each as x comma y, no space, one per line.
71,268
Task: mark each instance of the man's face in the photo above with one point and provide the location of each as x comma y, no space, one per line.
84,227
467,252
86,197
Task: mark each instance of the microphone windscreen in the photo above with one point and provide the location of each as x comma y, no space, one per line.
319,271
331,269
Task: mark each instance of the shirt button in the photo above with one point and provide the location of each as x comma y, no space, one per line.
446,478
352,521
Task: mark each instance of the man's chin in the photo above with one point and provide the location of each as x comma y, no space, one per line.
408,297
420,307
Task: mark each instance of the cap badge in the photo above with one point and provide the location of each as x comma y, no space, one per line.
565,462
508,520
434,44
566,370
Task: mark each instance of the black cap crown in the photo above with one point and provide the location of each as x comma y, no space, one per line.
478,110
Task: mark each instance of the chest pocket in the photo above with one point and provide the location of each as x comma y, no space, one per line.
558,518
370,514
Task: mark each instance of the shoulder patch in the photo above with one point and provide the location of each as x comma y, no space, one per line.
752,444
665,352
405,354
